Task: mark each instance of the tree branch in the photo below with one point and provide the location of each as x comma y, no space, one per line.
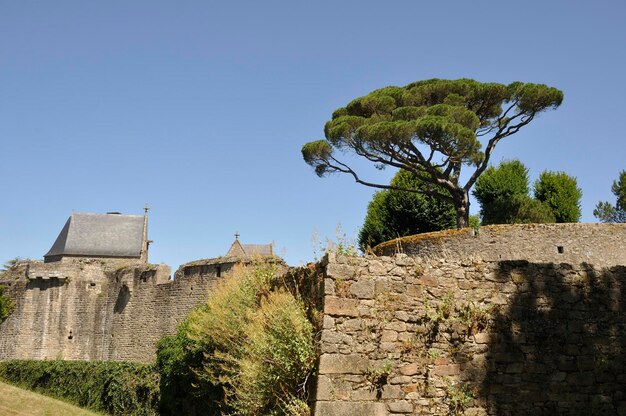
346,169
502,133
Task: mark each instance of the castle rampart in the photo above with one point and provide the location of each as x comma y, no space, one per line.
467,324
598,244
522,319
92,309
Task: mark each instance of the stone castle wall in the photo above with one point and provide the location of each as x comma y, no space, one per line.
97,310
525,319
560,243
466,325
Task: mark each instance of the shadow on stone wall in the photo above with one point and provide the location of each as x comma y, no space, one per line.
559,346
44,284
122,300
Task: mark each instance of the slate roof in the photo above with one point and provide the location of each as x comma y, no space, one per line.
249,250
258,249
100,235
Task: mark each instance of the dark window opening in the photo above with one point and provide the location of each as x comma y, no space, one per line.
560,249
92,284
71,335
218,271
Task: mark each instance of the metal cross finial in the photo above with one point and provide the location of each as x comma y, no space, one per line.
146,208
236,235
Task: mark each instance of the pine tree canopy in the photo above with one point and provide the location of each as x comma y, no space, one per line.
430,128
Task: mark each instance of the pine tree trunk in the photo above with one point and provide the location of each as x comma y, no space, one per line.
462,210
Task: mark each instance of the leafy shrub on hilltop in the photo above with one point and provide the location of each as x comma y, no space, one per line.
503,194
394,213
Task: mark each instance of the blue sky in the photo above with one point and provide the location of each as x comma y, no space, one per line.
200,108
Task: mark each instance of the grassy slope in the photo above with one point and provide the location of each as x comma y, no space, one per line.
15,401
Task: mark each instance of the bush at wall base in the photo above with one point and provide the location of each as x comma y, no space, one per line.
116,388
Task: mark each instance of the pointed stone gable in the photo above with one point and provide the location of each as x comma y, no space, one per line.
236,250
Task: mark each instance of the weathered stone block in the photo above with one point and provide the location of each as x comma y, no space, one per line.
327,348
352,325
392,392
364,311
382,285
475,411
442,361
414,291
400,406
402,316
396,326
324,388
332,337
406,337
482,338
377,268
389,346
389,336
341,306
404,260
329,322
398,271
329,287
367,394
410,369
508,288
447,370
429,280
467,284
341,271
334,408
410,388
499,299
343,364
400,380
363,288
